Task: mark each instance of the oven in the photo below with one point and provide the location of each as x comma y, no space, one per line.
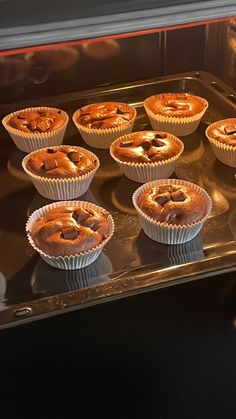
119,53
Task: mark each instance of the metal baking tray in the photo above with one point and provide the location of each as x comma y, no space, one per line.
131,262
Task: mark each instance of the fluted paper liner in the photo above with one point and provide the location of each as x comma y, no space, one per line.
74,261
163,232
102,138
179,126
224,152
146,172
62,188
29,142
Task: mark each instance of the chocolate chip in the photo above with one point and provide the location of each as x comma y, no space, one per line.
69,233
119,111
97,124
162,199
59,112
183,107
156,143
230,129
80,216
153,155
161,135
50,164
50,151
94,225
20,116
178,196
126,144
172,105
74,156
146,145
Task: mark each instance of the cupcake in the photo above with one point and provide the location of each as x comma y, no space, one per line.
35,128
147,155
222,137
172,211
101,123
62,172
176,113
69,234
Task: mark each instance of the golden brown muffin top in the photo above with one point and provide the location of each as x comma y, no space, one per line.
176,105
173,204
105,115
224,131
146,147
37,121
61,162
66,230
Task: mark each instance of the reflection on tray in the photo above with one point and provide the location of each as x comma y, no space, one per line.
48,280
14,166
121,196
165,255
108,168
221,177
3,287
193,146
232,223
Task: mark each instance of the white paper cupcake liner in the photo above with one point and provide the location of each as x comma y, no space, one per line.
177,126
163,232
146,172
225,153
64,188
102,138
74,261
29,142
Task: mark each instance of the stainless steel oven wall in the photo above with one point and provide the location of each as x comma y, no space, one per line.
53,72
184,50
220,51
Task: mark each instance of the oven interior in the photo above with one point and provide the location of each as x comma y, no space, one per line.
201,60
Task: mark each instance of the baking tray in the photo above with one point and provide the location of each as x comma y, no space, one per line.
131,262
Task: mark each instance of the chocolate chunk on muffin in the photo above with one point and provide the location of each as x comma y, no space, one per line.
35,128
147,155
61,162
176,105
173,204
101,123
147,147
37,121
223,131
105,115
62,172
67,230
176,113
222,137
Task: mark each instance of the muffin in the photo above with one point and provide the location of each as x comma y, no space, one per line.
62,172
69,234
101,123
147,155
35,128
176,113
171,211
222,137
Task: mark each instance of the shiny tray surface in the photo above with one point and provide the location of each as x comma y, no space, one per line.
131,262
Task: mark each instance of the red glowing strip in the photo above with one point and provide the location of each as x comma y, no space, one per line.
105,38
